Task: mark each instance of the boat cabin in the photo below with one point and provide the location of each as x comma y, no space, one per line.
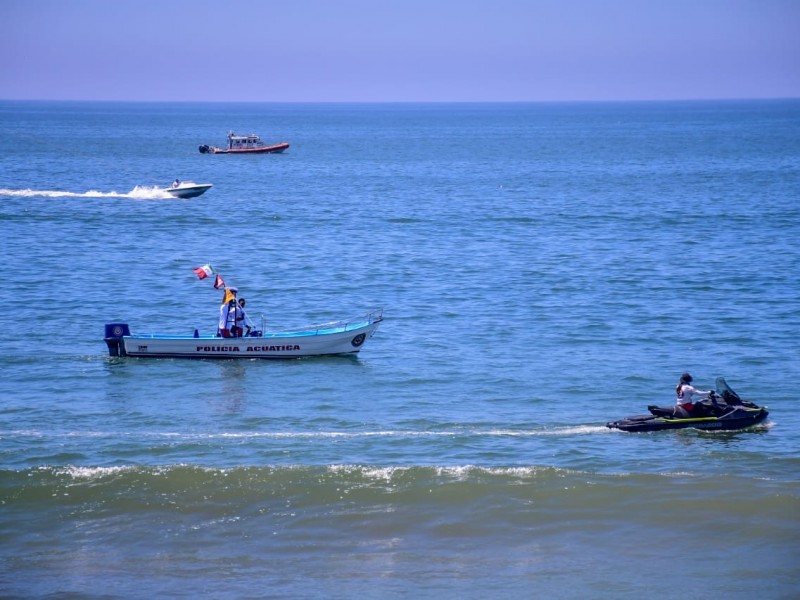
243,142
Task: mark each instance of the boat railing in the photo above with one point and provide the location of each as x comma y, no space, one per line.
369,318
373,316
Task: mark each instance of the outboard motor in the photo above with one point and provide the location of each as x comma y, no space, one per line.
113,338
204,148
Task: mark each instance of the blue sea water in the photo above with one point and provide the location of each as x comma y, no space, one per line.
542,268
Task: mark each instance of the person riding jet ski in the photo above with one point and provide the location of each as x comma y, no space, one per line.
721,409
685,392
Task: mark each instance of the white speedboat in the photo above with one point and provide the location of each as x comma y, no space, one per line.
187,189
340,337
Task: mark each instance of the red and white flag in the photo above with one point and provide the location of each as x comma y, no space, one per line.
204,271
218,283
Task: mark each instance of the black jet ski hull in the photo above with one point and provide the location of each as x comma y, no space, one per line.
740,418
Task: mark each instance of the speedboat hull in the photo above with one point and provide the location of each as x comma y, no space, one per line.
319,340
740,417
188,190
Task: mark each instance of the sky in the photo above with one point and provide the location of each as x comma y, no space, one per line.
398,51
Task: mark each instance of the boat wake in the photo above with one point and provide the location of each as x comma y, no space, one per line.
177,436
140,192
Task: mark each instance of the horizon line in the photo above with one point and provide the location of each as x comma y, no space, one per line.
563,101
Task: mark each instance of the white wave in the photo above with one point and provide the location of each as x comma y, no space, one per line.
77,472
140,192
385,473
457,472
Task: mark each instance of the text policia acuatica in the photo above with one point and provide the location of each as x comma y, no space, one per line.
287,348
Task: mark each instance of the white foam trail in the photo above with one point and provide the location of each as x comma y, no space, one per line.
315,435
140,192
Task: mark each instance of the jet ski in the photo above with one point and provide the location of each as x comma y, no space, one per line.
724,410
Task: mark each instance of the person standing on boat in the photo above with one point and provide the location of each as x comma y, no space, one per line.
243,322
685,402
176,183
227,314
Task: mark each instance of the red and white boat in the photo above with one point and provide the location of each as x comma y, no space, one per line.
245,144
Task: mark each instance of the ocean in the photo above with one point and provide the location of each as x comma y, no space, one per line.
542,269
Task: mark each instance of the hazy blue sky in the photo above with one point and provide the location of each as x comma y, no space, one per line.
405,50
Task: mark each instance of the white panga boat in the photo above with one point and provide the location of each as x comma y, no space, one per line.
187,189
339,337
